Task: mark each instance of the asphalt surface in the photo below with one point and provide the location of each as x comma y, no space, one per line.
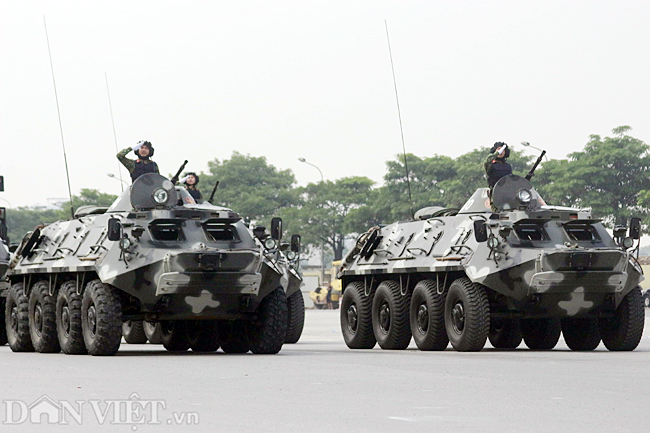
319,385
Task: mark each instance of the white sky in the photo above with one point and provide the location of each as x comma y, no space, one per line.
311,79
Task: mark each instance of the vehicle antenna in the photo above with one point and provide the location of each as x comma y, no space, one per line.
110,106
56,97
401,129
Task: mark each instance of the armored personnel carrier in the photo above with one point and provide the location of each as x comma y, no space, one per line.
156,255
507,268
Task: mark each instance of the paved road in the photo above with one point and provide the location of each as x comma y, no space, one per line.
318,385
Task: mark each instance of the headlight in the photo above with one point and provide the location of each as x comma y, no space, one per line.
160,196
291,255
125,243
524,196
628,243
269,243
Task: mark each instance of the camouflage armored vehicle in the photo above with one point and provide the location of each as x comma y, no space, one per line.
156,255
525,270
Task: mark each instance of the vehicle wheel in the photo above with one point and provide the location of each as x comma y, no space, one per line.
505,333
295,317
17,320
541,334
356,317
153,332
3,329
68,320
174,335
581,333
101,319
267,332
624,330
467,315
646,299
42,319
427,317
390,316
133,332
233,336
203,335
319,306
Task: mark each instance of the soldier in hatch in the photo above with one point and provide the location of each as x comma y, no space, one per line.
496,165
144,151
191,180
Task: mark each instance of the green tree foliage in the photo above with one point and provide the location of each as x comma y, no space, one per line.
610,175
250,186
329,211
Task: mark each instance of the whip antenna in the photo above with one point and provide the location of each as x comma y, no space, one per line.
56,97
401,129
110,106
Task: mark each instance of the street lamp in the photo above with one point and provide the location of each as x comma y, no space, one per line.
112,176
322,248
527,144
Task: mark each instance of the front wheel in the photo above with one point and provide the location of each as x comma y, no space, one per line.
623,331
17,320
356,317
467,315
42,319
267,332
101,319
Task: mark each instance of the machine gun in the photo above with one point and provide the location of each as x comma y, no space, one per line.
214,190
174,180
532,170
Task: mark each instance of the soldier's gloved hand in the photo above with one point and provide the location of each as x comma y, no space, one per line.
502,148
183,179
138,146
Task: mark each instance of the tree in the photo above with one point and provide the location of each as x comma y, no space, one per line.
609,175
250,186
328,209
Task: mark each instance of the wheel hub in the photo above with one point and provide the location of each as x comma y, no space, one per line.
65,320
92,320
38,319
384,317
353,318
423,318
458,317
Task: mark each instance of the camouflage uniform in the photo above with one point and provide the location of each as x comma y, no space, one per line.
131,164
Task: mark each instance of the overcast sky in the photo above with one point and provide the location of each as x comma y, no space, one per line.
308,79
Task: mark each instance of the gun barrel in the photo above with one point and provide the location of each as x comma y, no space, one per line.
174,179
532,170
214,190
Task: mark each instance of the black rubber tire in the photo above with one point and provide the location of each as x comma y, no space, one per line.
356,317
174,335
17,320
319,306
267,332
101,319
233,336
68,320
295,318
646,299
427,317
623,332
541,334
133,332
581,333
153,332
42,319
203,335
3,329
390,316
505,333
467,315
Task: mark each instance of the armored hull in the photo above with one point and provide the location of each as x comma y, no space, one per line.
158,256
514,267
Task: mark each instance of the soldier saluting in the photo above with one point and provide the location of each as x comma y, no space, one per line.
144,151
496,166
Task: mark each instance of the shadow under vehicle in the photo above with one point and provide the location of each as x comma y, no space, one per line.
524,270
195,270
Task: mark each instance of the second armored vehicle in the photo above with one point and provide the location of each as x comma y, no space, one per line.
155,255
504,268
